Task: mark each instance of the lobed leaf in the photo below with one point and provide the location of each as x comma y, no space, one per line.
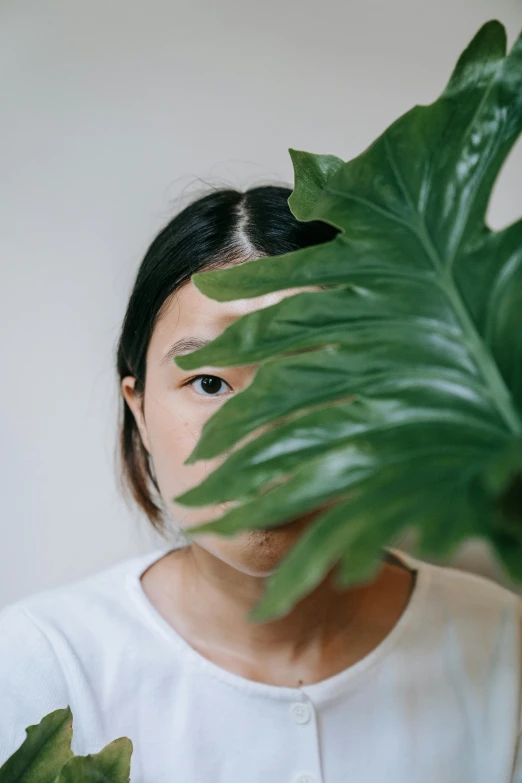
408,366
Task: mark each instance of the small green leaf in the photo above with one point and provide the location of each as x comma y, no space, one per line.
44,751
110,765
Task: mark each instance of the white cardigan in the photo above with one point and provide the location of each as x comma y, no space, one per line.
438,701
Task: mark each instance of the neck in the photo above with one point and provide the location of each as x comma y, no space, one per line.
211,600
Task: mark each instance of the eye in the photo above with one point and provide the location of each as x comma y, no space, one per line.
209,383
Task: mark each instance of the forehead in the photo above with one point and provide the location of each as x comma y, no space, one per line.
189,313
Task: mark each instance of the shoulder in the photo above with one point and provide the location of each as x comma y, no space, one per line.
32,683
72,614
55,643
465,611
463,590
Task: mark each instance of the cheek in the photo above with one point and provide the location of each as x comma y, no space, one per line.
173,438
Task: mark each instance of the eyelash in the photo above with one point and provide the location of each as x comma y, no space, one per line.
206,375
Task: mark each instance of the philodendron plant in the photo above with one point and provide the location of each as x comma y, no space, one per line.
391,400
45,756
395,395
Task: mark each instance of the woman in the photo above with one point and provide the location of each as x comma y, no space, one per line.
412,677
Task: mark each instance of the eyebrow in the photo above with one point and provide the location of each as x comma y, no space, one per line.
185,345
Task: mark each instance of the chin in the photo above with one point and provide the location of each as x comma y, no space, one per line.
259,552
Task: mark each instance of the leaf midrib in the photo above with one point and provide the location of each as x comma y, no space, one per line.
501,395
491,376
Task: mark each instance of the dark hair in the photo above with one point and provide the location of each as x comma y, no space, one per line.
222,227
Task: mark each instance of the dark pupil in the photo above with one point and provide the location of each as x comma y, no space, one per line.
210,383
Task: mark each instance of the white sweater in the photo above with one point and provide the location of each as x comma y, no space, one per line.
438,701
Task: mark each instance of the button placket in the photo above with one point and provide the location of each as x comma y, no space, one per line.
303,712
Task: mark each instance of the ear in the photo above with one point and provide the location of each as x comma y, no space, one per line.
135,403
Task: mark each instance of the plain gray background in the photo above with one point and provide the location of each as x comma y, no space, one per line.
114,115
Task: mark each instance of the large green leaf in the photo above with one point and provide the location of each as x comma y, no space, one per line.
41,756
395,394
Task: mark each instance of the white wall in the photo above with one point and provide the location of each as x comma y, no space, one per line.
111,112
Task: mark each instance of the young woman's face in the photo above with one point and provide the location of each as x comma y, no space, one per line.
177,404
